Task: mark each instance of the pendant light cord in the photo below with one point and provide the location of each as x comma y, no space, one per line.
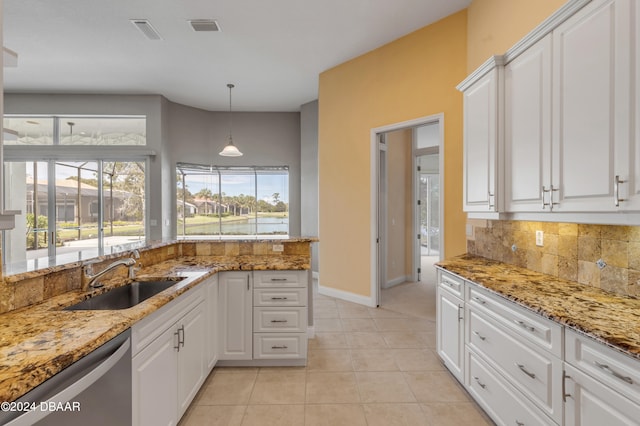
230,86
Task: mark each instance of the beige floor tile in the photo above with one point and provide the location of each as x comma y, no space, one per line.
385,313
208,415
328,340
277,415
366,340
406,339
417,360
353,311
394,324
455,414
323,313
327,324
329,360
281,387
338,387
384,387
436,386
364,325
395,415
335,415
227,389
373,360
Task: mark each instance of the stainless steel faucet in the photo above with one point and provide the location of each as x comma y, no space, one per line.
90,280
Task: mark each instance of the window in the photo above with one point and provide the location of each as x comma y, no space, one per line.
75,130
232,201
73,210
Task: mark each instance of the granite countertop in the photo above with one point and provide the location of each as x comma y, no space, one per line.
611,319
39,341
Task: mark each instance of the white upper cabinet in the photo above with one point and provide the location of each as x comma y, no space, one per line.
482,137
528,129
591,107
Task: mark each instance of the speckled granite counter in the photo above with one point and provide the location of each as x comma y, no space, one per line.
608,318
41,340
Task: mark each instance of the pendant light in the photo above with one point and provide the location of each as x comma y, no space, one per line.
230,149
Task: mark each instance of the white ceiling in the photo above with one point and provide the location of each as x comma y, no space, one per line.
272,50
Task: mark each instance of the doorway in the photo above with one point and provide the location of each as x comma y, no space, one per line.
408,203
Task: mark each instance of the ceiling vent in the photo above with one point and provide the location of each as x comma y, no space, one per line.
146,28
209,25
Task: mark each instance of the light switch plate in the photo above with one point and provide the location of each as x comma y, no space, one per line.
539,238
278,247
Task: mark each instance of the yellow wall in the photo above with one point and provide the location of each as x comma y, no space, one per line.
496,25
412,77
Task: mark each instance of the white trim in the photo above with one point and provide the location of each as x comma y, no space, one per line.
373,185
394,282
346,295
311,332
315,275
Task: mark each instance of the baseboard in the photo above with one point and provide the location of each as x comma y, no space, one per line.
347,296
396,281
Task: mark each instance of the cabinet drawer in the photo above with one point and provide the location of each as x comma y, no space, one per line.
279,346
453,284
280,279
280,319
537,374
296,296
532,327
612,368
502,401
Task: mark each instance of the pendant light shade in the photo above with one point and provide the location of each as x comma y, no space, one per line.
230,150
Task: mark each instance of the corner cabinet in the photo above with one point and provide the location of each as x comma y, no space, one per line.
482,93
235,316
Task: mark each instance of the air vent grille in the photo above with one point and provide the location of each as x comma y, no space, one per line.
146,28
209,25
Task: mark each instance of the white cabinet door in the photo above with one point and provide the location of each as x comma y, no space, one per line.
155,382
591,81
481,143
191,356
211,299
527,138
590,403
450,331
235,319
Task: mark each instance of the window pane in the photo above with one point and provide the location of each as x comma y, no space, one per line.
273,203
199,206
237,217
123,200
103,131
30,130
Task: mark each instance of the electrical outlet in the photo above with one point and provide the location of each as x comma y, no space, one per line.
278,247
539,238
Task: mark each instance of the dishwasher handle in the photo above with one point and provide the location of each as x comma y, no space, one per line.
71,391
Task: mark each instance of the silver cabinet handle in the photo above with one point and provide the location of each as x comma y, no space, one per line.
551,203
614,373
460,311
180,333
480,336
519,423
479,300
279,321
477,379
278,279
278,298
490,205
450,284
616,190
248,285
280,347
525,325
525,371
544,191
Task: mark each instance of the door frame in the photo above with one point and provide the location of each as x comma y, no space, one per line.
374,248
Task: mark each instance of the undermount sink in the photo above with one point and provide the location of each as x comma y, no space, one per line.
123,297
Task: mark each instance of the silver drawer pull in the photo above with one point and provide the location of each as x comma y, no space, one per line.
450,284
279,321
525,325
519,423
477,299
480,336
477,379
279,347
278,279
614,373
525,371
278,298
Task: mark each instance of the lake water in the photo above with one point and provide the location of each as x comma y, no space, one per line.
265,226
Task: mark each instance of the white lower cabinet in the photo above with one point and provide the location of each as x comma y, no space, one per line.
234,316
168,364
450,331
211,299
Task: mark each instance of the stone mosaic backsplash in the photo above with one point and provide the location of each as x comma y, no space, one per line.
25,289
603,256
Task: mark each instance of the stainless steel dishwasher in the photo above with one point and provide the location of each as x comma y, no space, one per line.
96,391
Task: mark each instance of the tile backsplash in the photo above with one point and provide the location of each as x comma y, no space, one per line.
604,256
